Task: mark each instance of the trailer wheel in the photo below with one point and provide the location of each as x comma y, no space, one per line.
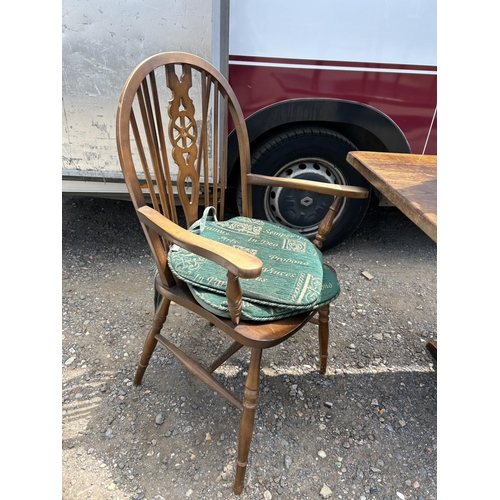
309,153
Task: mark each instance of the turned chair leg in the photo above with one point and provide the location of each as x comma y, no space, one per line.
250,395
323,330
150,343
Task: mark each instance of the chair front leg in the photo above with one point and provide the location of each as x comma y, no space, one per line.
150,343
323,331
250,395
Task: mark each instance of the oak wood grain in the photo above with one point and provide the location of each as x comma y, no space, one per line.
318,187
409,181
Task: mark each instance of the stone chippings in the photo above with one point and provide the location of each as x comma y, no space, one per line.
365,431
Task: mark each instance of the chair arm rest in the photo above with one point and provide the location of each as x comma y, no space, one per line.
318,187
238,262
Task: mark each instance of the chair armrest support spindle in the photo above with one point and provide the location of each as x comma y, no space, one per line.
327,222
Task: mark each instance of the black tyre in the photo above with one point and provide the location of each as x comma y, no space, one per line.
310,153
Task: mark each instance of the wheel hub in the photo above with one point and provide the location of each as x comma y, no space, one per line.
299,209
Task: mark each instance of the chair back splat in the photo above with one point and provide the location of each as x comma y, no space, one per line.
257,282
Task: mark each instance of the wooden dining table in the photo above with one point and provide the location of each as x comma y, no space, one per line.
409,181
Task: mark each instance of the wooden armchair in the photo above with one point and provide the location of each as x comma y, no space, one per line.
172,128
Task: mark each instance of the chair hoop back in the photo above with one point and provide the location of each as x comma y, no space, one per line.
172,128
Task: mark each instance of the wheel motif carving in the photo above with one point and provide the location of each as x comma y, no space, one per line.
183,132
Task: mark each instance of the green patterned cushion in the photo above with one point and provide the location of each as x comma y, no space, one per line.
292,278
217,303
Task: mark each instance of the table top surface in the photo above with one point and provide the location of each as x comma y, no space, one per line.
409,181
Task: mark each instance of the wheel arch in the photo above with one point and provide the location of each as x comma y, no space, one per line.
365,126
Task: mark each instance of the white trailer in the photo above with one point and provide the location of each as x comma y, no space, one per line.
101,44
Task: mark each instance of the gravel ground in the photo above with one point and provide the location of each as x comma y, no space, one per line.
366,430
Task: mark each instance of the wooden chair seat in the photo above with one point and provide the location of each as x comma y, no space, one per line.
260,335
172,128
